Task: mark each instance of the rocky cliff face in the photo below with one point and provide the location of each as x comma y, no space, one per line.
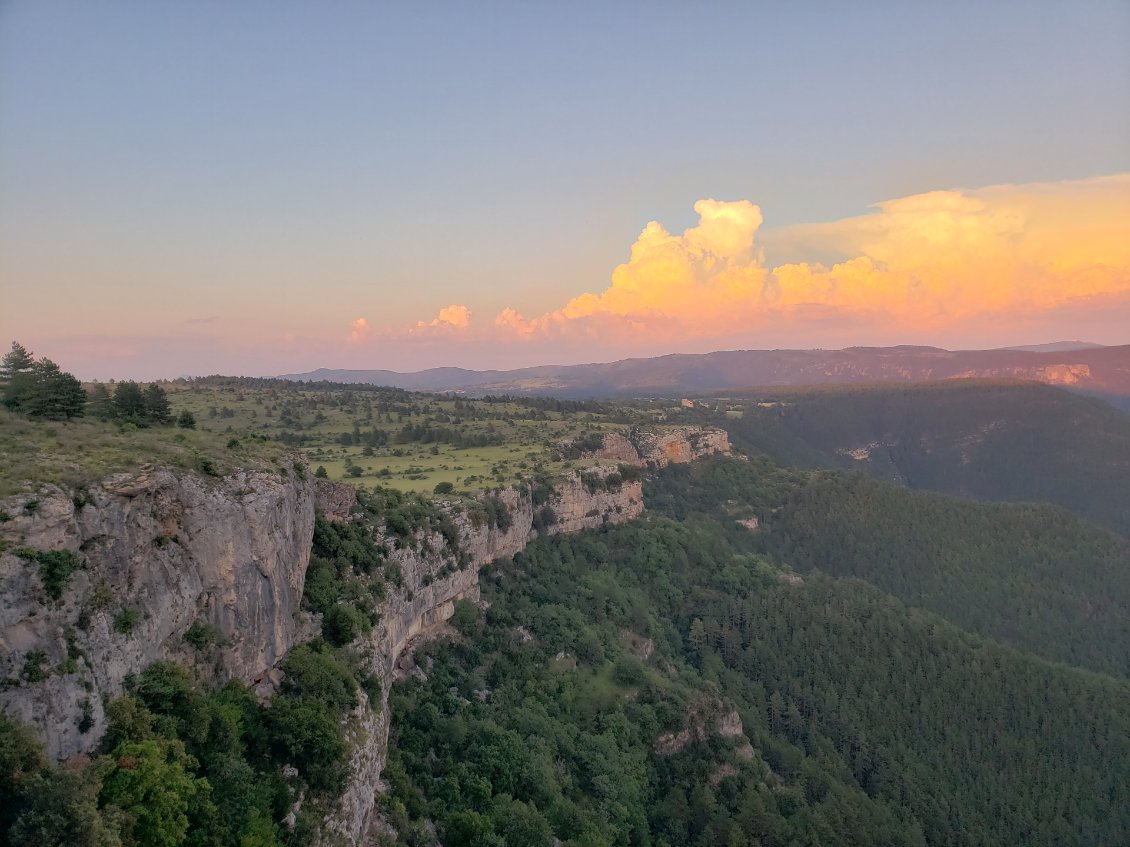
661,447
158,552
427,599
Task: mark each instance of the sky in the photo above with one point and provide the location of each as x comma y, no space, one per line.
270,187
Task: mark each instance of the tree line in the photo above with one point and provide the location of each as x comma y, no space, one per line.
40,389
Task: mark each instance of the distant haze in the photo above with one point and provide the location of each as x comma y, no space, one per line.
1093,369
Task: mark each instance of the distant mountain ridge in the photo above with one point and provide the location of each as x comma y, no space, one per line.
1057,347
1104,371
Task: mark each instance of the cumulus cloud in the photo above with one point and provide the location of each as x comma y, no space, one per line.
359,331
922,263
449,317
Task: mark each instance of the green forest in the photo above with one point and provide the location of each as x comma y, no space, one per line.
864,721
979,439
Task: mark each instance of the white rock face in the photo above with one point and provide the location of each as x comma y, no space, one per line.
171,549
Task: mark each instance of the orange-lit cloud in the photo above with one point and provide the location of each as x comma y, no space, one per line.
359,331
449,317
924,263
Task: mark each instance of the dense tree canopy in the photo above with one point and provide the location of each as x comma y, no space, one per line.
38,388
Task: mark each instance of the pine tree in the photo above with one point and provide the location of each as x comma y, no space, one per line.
39,388
16,377
99,403
129,402
186,420
157,408
55,395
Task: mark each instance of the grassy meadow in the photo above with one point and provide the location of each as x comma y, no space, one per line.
361,434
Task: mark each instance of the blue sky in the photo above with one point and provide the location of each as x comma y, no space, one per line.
279,169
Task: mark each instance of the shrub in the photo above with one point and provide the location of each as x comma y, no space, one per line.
443,488
201,635
206,466
466,616
343,623
628,670
321,472
299,471
33,670
126,621
544,518
55,568
312,670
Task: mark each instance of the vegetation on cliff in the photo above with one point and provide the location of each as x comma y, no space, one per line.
183,766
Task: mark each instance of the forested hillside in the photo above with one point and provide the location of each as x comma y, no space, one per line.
983,440
870,722
1035,577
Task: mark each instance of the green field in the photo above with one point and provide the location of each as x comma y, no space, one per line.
361,434
472,444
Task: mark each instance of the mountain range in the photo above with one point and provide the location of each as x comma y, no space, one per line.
1103,371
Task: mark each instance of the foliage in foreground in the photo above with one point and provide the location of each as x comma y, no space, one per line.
179,766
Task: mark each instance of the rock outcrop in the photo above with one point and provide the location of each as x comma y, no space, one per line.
158,552
662,446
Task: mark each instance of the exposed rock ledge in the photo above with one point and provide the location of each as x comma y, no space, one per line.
661,447
169,549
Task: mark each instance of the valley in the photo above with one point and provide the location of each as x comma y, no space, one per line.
651,621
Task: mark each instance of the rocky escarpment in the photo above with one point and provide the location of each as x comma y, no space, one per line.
661,447
430,588
156,552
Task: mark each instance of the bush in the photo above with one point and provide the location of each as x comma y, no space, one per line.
55,568
312,670
126,621
306,735
343,623
206,466
466,616
33,670
443,488
201,635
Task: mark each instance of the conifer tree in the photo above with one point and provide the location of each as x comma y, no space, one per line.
157,408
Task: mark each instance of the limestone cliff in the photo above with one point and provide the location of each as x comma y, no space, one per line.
158,551
662,446
583,500
426,600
